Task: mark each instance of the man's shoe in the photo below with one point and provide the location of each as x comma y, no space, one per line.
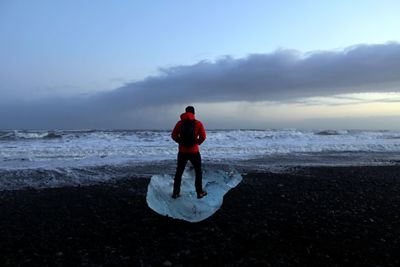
174,196
202,194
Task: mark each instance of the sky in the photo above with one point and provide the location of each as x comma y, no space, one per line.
242,64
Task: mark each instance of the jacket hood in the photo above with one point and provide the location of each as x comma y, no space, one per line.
187,116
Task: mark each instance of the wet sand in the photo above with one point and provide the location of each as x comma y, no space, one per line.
321,216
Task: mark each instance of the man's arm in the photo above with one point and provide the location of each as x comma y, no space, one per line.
202,133
175,132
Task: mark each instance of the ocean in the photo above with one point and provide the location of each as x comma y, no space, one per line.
58,158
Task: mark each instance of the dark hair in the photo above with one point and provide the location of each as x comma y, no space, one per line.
190,109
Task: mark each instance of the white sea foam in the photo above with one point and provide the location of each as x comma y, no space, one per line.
143,146
63,150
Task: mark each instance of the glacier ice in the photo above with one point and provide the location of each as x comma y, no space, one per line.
187,207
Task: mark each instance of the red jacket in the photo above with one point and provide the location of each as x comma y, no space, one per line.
199,132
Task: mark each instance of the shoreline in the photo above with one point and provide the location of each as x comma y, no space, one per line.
312,216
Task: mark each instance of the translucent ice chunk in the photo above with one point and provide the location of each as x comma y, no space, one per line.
187,207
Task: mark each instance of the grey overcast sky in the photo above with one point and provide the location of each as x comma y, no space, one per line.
243,64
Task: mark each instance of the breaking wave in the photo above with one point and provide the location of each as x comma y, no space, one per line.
24,135
332,132
59,158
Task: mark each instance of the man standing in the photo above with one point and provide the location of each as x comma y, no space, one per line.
189,133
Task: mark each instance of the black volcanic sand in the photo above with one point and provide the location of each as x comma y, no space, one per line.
341,216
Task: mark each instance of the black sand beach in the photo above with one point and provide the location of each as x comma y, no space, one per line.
320,216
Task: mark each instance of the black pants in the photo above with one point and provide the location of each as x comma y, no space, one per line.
195,159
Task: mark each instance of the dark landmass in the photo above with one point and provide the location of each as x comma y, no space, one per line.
320,216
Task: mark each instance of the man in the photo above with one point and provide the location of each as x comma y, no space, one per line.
189,133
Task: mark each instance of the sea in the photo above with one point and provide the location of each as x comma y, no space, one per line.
57,158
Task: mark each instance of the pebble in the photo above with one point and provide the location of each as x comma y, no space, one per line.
167,263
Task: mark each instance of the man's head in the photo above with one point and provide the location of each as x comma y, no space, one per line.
190,109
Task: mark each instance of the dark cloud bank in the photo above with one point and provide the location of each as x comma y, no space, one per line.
282,76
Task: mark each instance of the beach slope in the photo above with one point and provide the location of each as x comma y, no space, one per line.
319,216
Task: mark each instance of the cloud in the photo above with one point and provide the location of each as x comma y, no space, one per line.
282,76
